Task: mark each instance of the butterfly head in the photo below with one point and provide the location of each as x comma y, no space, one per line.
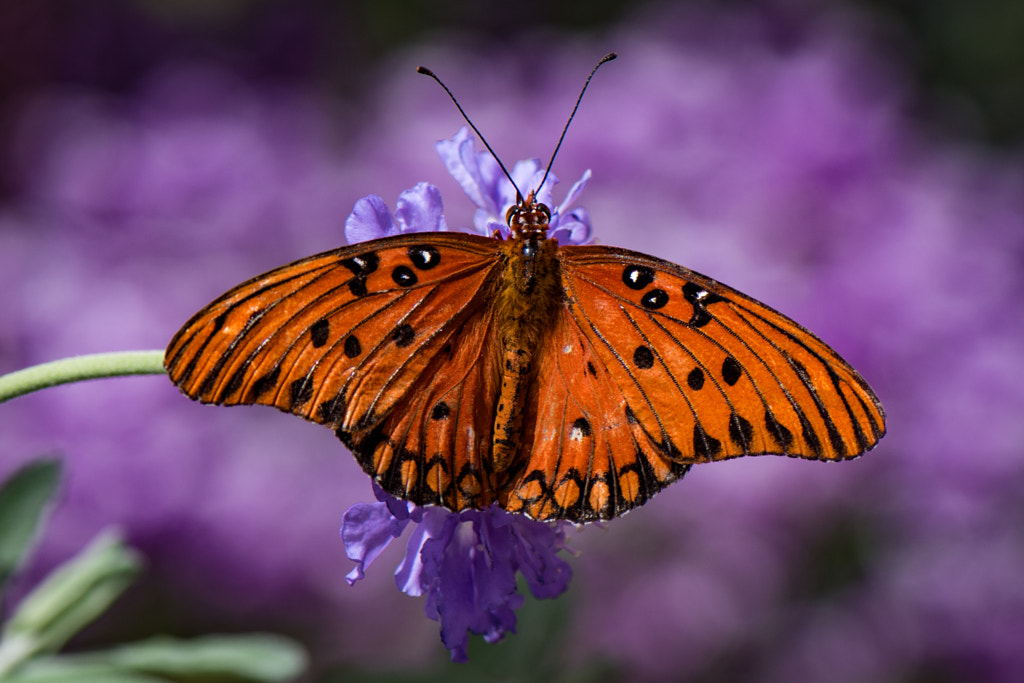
528,217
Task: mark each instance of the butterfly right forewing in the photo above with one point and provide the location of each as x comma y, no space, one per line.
708,372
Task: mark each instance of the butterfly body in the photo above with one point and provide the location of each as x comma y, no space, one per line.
526,305
559,381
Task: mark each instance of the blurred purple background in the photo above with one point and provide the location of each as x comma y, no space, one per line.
152,158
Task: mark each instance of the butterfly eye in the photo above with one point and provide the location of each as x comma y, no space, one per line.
512,211
546,211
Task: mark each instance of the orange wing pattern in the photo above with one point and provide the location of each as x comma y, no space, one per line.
646,369
654,367
367,339
586,459
435,446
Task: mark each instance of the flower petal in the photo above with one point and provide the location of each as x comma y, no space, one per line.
574,192
537,549
410,577
401,509
475,590
366,530
420,209
528,173
571,228
370,219
461,161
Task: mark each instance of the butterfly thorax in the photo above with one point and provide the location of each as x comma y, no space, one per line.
527,298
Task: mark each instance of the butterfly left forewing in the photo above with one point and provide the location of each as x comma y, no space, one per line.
336,338
709,373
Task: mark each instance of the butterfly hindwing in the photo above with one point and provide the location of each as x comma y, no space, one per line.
340,337
709,373
434,446
585,458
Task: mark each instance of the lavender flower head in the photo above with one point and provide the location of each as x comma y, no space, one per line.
464,562
478,173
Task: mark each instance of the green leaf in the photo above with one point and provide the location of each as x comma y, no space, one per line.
67,600
60,669
23,501
248,658
261,657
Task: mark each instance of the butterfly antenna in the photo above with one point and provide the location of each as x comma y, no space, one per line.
427,72
607,58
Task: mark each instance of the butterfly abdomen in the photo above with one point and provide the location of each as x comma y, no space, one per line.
526,302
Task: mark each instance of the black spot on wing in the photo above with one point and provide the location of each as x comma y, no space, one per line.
332,411
654,299
403,335
319,332
582,426
810,436
363,447
700,299
357,286
360,266
300,391
236,381
637,277
352,346
705,446
643,357
424,256
782,436
695,379
469,482
441,411
731,371
404,276
741,432
264,384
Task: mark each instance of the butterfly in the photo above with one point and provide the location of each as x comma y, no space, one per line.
559,381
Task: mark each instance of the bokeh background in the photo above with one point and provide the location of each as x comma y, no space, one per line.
856,165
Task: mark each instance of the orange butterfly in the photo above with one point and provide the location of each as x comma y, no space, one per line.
560,381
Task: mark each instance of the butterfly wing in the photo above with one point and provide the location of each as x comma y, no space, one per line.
588,460
434,448
682,370
346,339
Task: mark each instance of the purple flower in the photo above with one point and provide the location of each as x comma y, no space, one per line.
464,562
481,178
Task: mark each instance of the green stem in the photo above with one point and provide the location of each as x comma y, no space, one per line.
78,368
